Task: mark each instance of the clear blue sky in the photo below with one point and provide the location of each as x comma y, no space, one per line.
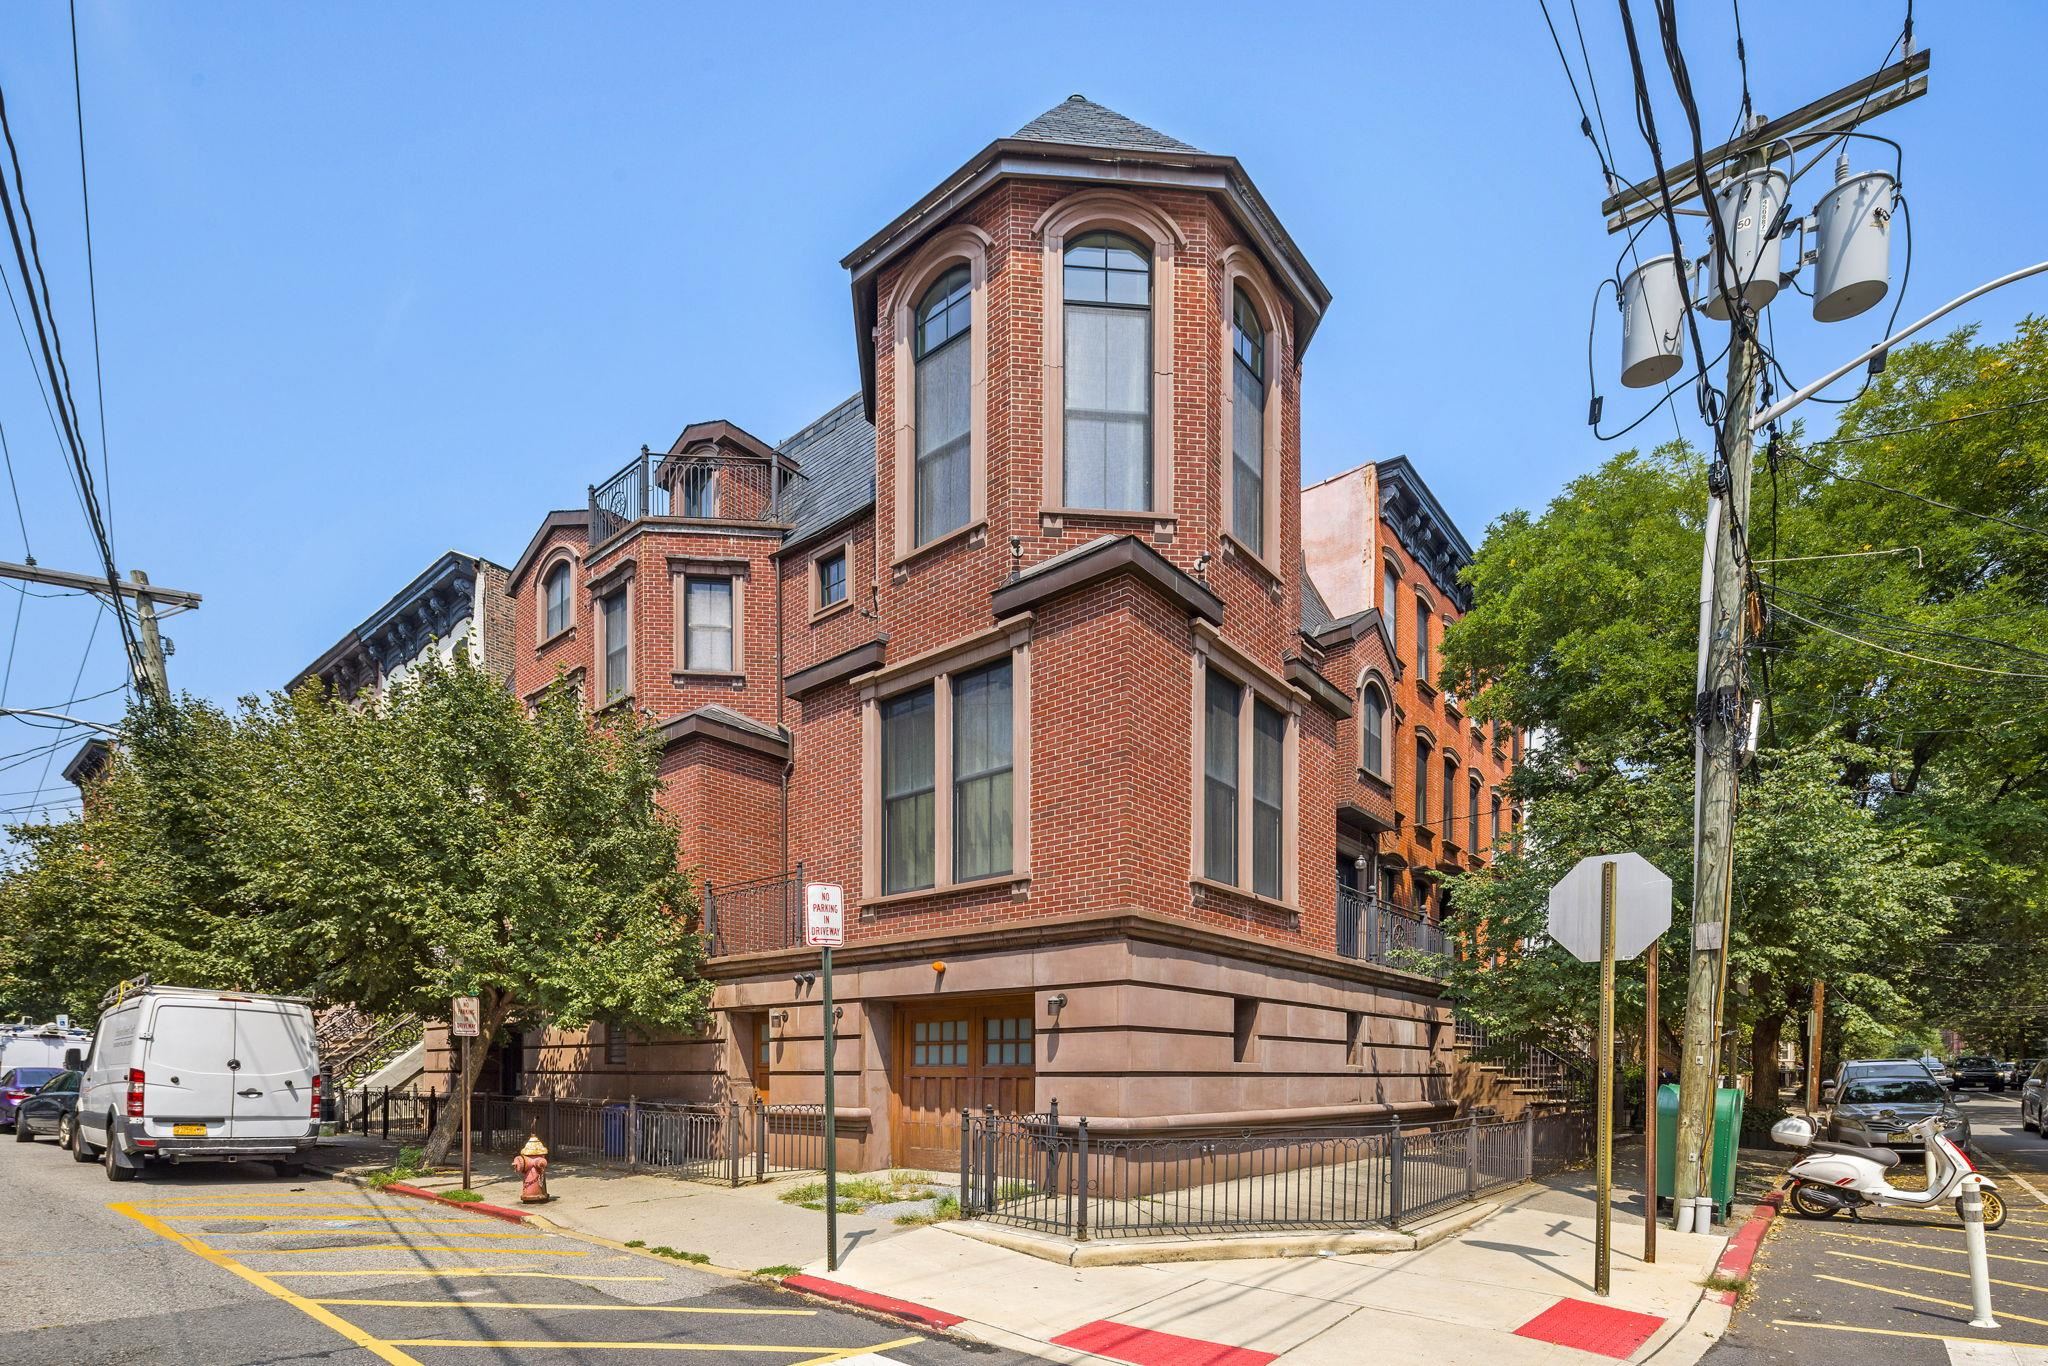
375,282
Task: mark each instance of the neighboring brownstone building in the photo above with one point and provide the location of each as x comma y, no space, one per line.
1044,679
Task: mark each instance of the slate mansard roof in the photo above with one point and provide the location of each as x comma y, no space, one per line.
1078,121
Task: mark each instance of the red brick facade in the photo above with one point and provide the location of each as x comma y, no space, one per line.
1158,995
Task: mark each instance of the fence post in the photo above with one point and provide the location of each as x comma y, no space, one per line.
363,1121
384,1119
1397,1157
433,1108
632,1131
554,1126
966,1163
732,1144
1472,1157
1528,1144
1052,1146
760,1141
1081,1180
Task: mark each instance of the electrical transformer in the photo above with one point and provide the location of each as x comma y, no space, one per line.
1745,210
1852,268
1652,323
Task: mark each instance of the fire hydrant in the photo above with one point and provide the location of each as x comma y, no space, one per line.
532,1166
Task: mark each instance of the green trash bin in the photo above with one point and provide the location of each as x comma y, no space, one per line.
1727,1139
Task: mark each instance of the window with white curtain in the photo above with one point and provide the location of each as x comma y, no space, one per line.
1107,446
983,721
1219,779
557,588
707,624
1372,728
618,675
942,488
1248,426
909,779
1269,748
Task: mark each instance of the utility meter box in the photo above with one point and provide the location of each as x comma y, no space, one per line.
1727,1140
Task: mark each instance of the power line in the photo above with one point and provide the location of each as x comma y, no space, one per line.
1901,624
1907,654
92,286
1831,472
1970,416
79,677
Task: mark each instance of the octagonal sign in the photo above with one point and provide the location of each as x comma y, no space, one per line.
1642,907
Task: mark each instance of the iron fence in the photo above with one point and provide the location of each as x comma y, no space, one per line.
626,497
1036,1172
1373,930
730,1143
755,917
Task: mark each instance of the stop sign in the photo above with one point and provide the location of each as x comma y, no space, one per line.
1642,906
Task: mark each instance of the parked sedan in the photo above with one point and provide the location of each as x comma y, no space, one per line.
1854,1068
18,1084
2034,1099
50,1112
1875,1112
1977,1070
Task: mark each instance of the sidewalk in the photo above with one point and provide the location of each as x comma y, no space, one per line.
1515,1288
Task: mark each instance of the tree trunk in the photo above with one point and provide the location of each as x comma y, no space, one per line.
493,1009
1763,1057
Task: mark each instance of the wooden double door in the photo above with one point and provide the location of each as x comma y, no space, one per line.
958,1056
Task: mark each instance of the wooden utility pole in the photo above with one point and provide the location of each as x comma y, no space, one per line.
150,674
151,678
1813,1028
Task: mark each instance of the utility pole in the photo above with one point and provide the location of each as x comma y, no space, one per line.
151,678
1724,567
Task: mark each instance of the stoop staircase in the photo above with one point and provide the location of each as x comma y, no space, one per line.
1510,1078
354,1044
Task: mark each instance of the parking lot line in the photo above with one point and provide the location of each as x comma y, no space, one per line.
438,1233
377,1347
1881,1332
1935,1270
398,1215
543,1344
580,1308
2024,1184
466,1271
1931,1299
397,1247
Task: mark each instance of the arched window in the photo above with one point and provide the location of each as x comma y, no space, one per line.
1372,730
699,487
1248,426
1108,362
945,406
556,589
1472,813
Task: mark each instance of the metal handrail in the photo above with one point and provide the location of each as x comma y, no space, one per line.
1374,930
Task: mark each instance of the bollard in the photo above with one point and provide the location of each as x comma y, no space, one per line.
1972,1206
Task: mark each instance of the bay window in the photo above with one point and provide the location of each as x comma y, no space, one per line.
1107,439
1248,426
1372,726
1219,780
909,782
1245,799
707,624
942,483
618,673
983,738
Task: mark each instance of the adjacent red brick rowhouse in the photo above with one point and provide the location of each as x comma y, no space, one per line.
1064,679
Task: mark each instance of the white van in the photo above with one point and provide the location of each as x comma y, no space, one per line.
178,1074
43,1046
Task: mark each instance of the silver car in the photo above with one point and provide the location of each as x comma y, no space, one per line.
2034,1100
1875,1111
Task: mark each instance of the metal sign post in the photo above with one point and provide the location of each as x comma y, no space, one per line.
462,1023
1650,1106
825,926
1609,907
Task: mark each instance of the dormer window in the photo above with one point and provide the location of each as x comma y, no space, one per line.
1248,425
945,406
556,591
1108,364
699,488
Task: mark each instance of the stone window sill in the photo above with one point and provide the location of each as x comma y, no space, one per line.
1019,883
1251,559
684,677
823,613
974,531
1244,894
566,633
1163,525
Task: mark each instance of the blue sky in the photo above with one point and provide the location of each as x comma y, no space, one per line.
379,281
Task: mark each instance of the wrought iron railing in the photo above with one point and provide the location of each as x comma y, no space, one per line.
1375,931
1562,1073
1037,1172
626,497
755,917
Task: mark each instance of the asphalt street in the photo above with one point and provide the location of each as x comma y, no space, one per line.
1892,1288
231,1265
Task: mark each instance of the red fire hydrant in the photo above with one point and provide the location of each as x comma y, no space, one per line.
532,1166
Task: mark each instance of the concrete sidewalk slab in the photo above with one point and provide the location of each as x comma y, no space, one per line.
1261,1320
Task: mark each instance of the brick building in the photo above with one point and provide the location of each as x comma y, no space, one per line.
457,603
1107,729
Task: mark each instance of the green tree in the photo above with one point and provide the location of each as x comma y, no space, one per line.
441,842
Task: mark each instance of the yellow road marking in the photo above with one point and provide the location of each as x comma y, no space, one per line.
830,1353
857,1351
321,1201
1931,1299
1931,1247
438,1233
1879,1332
579,1308
463,1271
2025,1184
1934,1270
382,1350
398,1247
331,1218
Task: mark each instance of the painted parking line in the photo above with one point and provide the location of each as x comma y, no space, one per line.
360,1216
580,1308
1936,1270
821,1355
399,1247
463,1271
437,1233
2005,1171
1930,1299
378,1348
1881,1332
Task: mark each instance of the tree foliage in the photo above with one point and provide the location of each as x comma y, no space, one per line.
1891,835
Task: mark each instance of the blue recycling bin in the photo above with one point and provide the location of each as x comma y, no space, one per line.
614,1131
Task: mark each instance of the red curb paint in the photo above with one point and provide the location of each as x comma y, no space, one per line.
495,1211
1144,1347
1590,1327
867,1299
1740,1254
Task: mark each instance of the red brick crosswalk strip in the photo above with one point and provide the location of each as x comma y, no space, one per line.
1144,1347
1592,1327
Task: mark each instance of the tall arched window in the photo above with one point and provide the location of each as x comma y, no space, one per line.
1372,730
1108,361
945,406
557,590
1248,426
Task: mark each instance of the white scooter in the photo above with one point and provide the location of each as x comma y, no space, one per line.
1841,1176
